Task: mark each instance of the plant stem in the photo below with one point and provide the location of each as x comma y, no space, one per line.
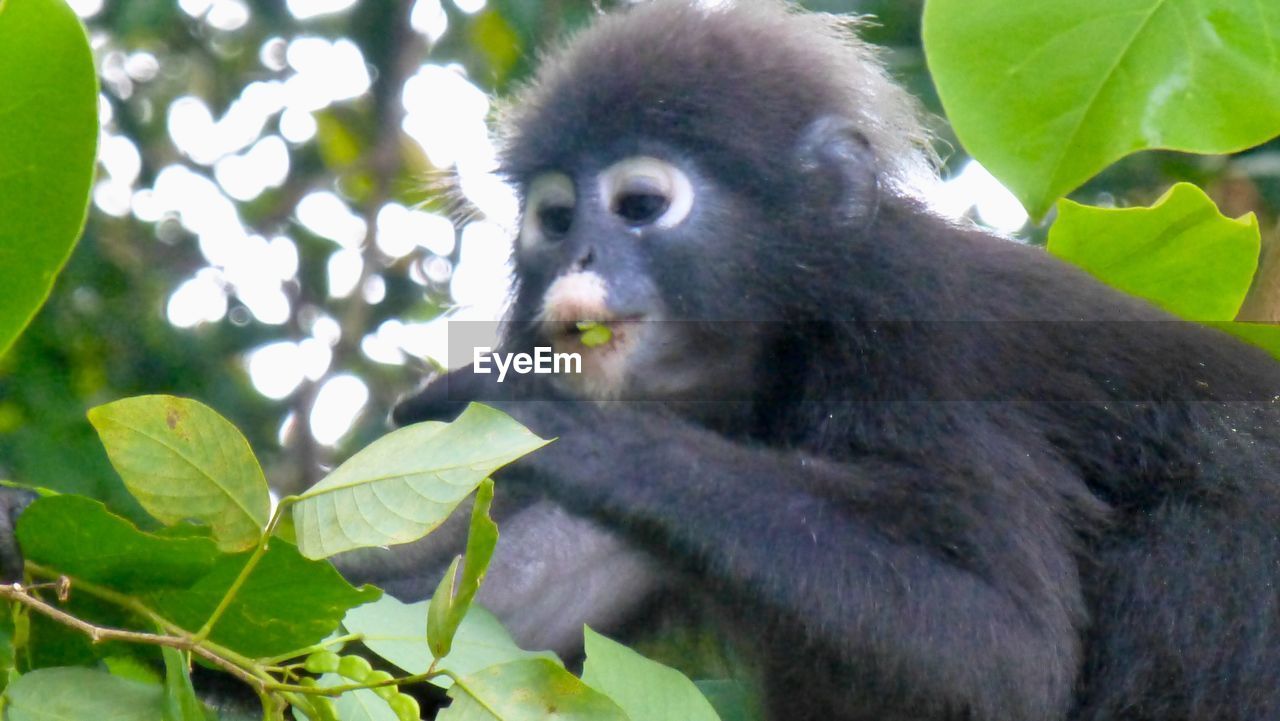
120,599
132,604
350,637
343,688
17,593
249,565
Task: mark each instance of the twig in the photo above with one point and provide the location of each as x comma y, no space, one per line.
323,645
18,593
243,576
343,688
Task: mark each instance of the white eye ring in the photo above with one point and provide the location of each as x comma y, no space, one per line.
548,209
645,191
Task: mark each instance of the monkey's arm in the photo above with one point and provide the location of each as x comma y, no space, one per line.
946,583
555,572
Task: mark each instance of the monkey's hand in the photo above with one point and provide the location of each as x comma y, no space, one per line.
444,397
552,572
581,429
531,403
589,441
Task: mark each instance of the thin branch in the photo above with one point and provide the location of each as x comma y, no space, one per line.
17,593
132,604
323,645
123,600
343,688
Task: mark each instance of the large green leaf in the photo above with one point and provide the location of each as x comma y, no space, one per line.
531,690
1181,253
48,140
1046,94
398,633
406,483
77,694
1264,335
79,537
182,461
646,690
288,602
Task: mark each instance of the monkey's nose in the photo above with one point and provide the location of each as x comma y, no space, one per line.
585,260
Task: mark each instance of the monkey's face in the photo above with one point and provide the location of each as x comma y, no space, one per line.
628,245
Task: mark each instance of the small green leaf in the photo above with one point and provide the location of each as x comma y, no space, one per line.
180,699
439,632
288,602
77,694
183,461
645,689
78,536
132,668
530,690
1046,94
398,633
594,334
448,607
48,142
482,540
406,483
1181,253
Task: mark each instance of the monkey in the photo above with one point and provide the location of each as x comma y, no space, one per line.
922,471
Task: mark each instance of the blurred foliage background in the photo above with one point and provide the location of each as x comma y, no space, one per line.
294,194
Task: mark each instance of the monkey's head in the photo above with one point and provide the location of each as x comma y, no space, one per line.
682,167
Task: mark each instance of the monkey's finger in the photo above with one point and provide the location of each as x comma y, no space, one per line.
435,402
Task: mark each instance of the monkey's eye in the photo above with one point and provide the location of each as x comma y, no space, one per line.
555,220
645,191
640,208
548,209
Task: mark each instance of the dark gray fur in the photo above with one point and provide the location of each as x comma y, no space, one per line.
963,480
955,479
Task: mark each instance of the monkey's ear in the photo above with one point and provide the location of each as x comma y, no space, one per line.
843,184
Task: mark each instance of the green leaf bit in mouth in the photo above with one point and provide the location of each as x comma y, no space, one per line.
593,333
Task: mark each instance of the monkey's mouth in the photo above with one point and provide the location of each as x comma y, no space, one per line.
604,349
594,337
